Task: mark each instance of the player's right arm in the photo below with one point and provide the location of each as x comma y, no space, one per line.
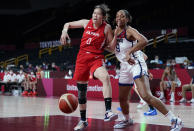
75,24
145,57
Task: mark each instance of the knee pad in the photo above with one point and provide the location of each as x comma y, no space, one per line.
82,91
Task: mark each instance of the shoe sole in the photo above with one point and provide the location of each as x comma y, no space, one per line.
82,128
150,115
130,123
122,127
112,118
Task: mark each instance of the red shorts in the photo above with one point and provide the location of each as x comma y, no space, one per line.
87,63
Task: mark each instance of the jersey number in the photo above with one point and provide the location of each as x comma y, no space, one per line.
89,41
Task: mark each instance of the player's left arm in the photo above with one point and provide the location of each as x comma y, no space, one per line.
141,40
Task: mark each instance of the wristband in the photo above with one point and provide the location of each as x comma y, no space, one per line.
64,30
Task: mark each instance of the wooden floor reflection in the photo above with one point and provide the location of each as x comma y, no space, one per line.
42,114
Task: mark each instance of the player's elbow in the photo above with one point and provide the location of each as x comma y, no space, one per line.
144,42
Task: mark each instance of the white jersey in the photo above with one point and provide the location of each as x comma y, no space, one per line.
20,77
12,77
123,45
128,73
5,78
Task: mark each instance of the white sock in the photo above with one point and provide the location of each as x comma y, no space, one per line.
126,117
172,95
162,94
170,115
141,100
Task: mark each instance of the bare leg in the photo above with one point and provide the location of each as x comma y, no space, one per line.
135,89
173,85
184,89
124,95
143,88
103,76
192,90
124,99
162,84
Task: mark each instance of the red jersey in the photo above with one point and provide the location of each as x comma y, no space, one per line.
32,78
93,40
2,75
38,75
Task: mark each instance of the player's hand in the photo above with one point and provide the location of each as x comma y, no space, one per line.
116,31
150,76
64,38
129,59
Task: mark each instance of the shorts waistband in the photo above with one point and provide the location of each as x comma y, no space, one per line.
88,52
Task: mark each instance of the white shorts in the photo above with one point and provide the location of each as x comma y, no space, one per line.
128,73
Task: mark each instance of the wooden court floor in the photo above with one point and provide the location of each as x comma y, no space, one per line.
42,114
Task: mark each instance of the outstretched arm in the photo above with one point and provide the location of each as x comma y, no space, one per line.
75,24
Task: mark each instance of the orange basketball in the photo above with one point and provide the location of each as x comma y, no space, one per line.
68,103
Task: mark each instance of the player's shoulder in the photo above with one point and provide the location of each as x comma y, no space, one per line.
130,29
84,22
108,26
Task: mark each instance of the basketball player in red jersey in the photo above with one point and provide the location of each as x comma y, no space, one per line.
97,35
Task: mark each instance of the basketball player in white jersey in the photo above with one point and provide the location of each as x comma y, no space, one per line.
152,111
133,69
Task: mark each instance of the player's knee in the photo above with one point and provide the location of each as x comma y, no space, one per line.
82,91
